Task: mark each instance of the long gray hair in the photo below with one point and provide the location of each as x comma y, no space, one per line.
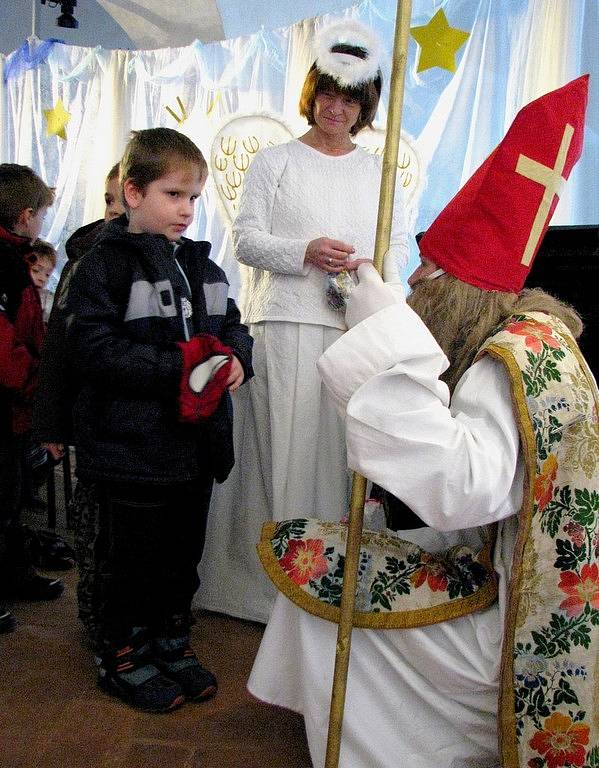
461,316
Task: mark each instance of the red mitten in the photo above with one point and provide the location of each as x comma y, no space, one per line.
206,367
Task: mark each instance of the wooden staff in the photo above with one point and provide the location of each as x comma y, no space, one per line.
358,496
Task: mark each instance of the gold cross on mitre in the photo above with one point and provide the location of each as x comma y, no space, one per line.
552,180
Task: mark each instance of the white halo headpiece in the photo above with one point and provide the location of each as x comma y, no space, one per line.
346,69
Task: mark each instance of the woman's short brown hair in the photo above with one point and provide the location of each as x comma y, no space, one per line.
367,94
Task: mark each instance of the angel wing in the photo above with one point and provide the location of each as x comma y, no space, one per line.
233,149
236,143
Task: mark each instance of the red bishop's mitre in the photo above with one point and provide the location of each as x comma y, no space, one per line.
489,234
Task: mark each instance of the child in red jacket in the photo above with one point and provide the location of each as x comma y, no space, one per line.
24,200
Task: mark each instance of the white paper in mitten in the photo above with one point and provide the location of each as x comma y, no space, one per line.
202,373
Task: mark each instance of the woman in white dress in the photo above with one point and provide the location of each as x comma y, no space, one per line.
308,211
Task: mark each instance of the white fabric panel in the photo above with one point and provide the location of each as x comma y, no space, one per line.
290,463
159,24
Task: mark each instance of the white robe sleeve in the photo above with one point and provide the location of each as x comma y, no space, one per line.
453,465
254,244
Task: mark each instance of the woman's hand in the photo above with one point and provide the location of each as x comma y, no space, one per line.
328,255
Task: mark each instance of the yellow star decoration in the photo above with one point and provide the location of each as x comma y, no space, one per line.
56,120
438,42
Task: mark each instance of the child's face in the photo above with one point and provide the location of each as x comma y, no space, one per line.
40,272
112,198
29,224
166,206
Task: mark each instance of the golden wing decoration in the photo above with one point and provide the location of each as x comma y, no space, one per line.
409,166
233,149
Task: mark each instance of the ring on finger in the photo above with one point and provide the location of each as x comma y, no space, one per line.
330,261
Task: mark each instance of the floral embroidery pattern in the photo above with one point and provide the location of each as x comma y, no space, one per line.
544,482
431,571
393,575
582,590
543,353
531,599
304,560
556,644
562,741
536,335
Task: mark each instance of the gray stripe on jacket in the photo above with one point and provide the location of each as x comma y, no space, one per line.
151,300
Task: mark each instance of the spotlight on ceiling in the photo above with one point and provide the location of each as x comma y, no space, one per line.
66,18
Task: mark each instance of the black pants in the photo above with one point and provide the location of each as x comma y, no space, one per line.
11,471
149,544
14,559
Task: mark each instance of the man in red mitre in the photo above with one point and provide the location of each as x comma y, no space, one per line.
471,404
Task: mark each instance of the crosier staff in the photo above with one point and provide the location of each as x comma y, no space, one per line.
358,496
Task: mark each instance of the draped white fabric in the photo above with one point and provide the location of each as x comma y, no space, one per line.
517,50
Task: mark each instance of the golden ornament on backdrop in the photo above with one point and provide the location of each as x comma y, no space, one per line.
179,118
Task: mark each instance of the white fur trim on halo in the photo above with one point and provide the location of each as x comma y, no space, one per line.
346,69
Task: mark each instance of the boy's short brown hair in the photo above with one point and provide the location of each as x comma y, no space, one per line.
21,188
113,173
152,152
41,250
368,93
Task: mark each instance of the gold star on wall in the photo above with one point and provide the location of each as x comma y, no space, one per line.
56,120
438,42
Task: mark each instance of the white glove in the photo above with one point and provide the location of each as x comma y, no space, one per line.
370,295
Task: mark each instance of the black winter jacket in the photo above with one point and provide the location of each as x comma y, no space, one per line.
125,315
55,396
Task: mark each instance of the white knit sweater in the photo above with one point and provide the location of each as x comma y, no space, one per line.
292,195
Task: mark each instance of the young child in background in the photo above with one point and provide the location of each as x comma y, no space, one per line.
112,195
24,200
42,263
54,401
147,308
52,415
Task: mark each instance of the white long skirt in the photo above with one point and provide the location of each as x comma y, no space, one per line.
290,462
423,698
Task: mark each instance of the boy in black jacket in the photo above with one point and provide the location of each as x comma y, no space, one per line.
54,400
149,320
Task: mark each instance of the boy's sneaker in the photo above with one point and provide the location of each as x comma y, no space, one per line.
128,672
31,586
174,656
8,623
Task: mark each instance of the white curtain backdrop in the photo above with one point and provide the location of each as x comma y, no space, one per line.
517,50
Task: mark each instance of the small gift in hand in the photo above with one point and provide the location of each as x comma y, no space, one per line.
206,368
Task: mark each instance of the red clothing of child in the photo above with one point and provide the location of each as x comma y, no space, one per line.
21,332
